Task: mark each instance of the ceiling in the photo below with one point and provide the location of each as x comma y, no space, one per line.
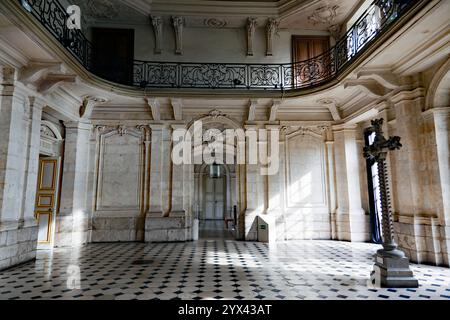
293,14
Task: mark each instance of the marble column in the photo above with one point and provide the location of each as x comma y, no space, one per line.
358,221
72,224
19,120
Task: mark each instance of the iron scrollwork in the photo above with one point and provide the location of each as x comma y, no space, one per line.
300,74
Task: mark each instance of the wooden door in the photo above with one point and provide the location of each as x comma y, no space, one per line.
214,199
46,199
113,54
305,48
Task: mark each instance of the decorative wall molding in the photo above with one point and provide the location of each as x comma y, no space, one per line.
271,30
101,9
215,22
52,81
215,114
177,106
88,105
155,108
252,23
7,75
51,139
178,25
253,104
305,164
324,15
332,105
386,78
370,87
121,149
438,90
158,27
276,104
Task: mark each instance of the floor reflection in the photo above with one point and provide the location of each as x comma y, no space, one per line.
215,229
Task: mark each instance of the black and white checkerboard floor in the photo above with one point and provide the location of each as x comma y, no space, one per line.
213,269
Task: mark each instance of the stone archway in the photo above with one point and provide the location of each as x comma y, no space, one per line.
234,174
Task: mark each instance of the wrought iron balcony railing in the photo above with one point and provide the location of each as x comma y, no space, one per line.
316,71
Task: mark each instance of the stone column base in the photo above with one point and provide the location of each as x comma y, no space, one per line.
392,272
17,246
251,226
166,229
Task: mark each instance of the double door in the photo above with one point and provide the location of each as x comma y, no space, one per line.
214,199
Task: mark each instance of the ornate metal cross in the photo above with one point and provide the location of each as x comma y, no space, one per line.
378,151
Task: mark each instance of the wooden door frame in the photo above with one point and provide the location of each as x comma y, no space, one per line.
295,38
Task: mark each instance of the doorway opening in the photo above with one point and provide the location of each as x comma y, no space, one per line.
373,184
48,184
216,210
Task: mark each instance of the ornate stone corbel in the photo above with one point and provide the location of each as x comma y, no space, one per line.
158,26
385,78
177,106
155,108
276,103
36,71
371,87
53,81
252,110
332,105
6,75
271,30
251,28
178,24
88,105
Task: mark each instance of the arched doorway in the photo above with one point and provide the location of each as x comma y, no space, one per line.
217,203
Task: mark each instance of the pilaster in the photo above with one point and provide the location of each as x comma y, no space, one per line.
359,228
74,216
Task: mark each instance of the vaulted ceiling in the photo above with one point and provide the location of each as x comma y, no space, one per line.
293,14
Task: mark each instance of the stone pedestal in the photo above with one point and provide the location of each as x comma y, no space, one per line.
166,229
392,271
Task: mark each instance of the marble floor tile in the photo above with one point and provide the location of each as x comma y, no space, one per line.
213,269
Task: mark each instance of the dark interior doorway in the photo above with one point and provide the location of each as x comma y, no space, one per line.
113,54
373,184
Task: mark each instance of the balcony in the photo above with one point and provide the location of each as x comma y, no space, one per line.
379,18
